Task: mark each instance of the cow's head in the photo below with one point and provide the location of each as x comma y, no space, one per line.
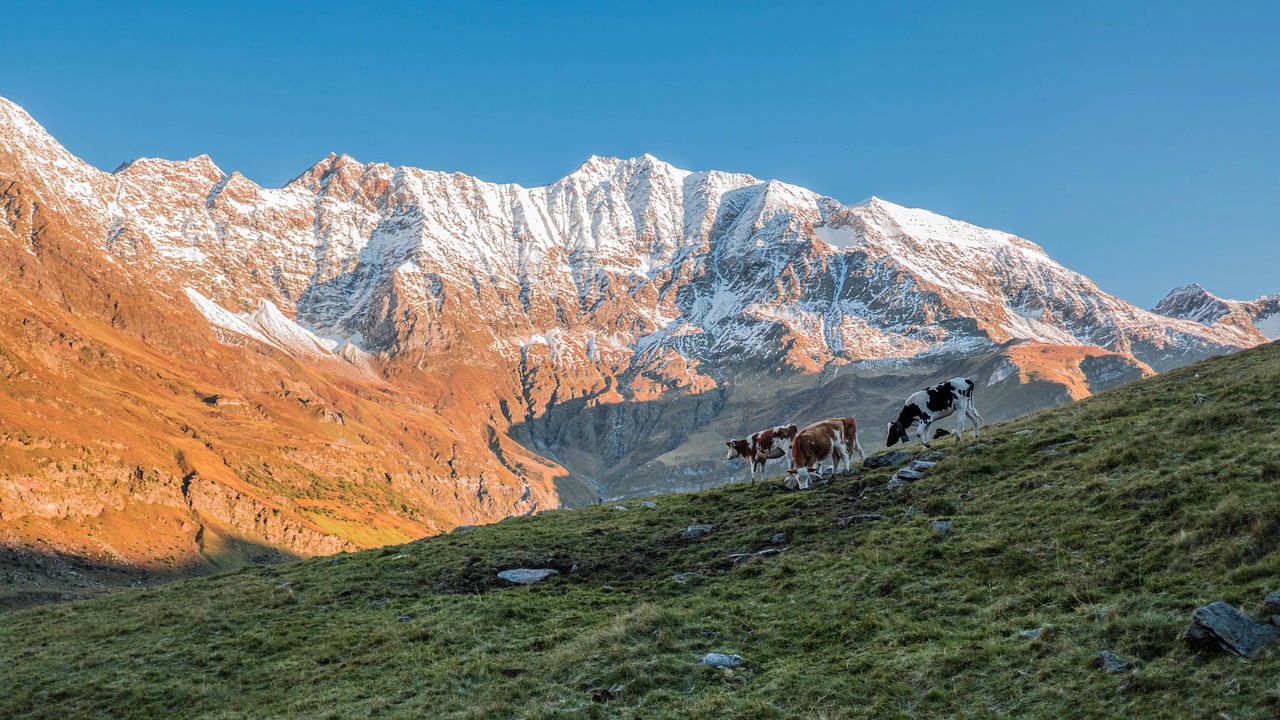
738,448
793,480
897,434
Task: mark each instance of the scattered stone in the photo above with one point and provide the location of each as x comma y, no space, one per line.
404,618
1219,626
379,602
1055,445
620,508
908,474
1201,399
697,531
573,569
779,538
722,660
335,561
739,558
920,465
978,446
1271,604
1028,431
401,556
709,634
1108,661
889,459
942,527
1033,633
933,456
684,577
845,522
462,528
284,586
527,576
894,484
648,504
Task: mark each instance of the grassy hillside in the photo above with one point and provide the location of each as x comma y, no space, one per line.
1106,522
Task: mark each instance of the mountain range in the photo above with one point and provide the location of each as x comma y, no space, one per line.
201,371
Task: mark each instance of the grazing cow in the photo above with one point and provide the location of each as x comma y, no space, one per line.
762,447
826,441
933,404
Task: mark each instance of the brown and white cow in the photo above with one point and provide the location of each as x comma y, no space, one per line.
763,446
775,440
831,441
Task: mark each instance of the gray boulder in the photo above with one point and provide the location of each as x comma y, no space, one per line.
1219,626
697,531
648,504
920,465
889,459
1107,661
908,474
722,660
527,576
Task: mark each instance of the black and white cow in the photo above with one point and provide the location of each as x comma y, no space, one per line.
933,404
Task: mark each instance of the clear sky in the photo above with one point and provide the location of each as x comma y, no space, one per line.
1138,142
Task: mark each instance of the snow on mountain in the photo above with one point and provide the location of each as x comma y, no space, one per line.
709,265
1254,321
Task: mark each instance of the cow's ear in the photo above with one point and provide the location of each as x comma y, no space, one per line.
729,443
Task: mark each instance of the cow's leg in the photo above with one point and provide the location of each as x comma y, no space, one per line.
922,432
974,417
960,424
844,458
858,449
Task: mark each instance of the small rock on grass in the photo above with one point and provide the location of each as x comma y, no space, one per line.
697,531
889,459
920,465
942,527
1219,626
527,576
933,456
1108,661
648,504
1027,431
844,522
721,660
1271,604
1033,633
620,508
779,538
894,484
908,474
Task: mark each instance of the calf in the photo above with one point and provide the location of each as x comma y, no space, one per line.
762,447
933,404
826,441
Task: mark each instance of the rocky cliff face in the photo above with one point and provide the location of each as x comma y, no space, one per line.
389,334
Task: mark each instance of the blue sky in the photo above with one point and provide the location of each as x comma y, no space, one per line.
1137,142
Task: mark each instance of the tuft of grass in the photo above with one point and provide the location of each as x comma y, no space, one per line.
1106,525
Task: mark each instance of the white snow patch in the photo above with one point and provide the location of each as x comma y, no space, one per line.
1269,326
839,238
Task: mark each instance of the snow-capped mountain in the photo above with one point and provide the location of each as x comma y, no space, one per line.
1257,320
617,322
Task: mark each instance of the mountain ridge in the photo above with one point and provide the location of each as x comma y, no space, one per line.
493,349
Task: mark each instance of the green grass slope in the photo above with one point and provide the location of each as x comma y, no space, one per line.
1106,521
